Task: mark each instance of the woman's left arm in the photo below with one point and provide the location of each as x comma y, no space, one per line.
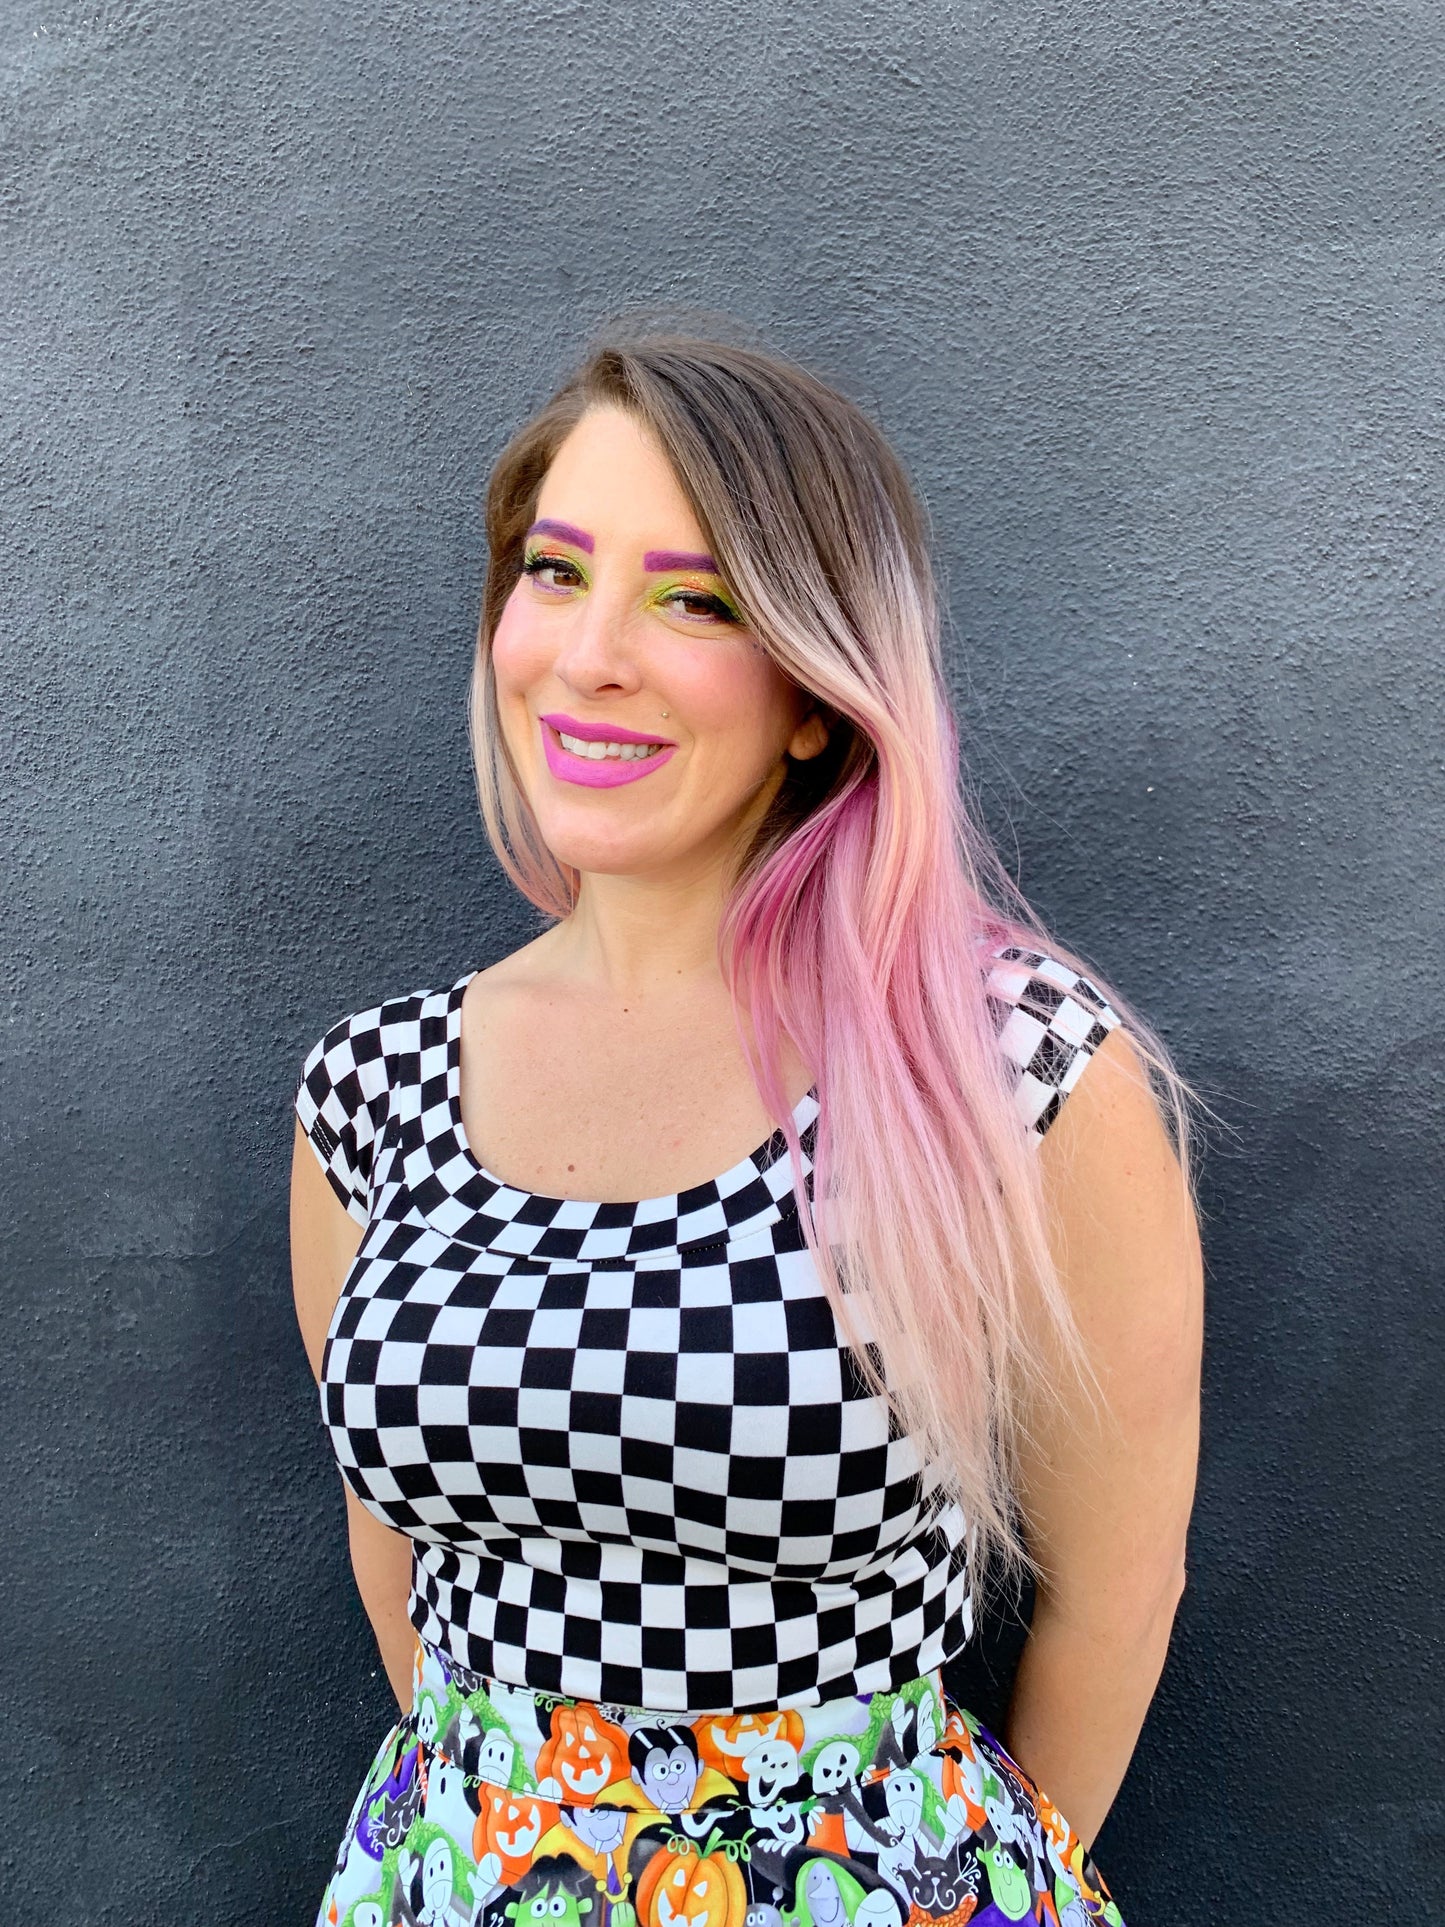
1107,1495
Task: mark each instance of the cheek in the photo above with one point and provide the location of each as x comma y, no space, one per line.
518,649
737,691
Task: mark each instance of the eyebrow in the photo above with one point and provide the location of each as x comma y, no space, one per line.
564,532
663,559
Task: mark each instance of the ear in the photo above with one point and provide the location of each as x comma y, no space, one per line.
810,738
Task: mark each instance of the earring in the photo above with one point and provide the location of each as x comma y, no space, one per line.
667,712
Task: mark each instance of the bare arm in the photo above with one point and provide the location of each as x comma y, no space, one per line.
324,1240
1108,1498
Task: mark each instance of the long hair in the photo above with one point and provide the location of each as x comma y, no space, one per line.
861,916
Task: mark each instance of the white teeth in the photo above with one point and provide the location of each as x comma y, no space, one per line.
596,752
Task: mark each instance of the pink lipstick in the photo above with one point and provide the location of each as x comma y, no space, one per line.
598,772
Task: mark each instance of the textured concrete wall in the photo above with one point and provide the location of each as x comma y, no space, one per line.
1149,295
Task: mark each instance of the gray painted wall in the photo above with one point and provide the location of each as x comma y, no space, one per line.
1149,296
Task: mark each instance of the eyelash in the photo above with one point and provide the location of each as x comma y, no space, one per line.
536,562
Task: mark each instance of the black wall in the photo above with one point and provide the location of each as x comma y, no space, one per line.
1149,296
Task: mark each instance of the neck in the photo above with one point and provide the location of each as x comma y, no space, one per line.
641,937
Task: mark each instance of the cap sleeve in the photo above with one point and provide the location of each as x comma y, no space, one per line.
1050,1022
341,1105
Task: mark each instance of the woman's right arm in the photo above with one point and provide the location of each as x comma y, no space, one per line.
324,1240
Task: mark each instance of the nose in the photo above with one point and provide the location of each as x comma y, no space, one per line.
594,652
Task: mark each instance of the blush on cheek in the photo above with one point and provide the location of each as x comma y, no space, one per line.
722,686
520,656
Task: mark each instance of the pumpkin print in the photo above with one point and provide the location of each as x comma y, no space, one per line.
583,1754
510,1826
682,1887
661,1863
726,1739
824,1815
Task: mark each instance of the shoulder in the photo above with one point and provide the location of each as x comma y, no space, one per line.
358,1054
348,1077
1050,1021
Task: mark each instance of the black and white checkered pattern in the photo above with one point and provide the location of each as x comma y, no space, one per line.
1051,1021
636,1462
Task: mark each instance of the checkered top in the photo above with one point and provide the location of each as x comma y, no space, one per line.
635,1460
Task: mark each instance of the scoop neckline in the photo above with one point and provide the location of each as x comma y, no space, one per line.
760,1158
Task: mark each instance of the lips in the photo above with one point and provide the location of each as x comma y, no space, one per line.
599,773
598,732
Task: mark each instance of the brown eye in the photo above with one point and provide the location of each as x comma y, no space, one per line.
698,605
552,571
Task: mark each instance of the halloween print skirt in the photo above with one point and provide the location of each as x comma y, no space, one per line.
494,1806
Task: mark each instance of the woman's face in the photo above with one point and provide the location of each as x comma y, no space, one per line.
620,626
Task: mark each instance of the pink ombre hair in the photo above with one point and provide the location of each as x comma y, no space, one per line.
863,914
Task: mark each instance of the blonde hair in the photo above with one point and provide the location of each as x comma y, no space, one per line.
860,918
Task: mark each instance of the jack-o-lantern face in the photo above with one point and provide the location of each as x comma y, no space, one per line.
726,1740
692,1890
584,1753
510,1825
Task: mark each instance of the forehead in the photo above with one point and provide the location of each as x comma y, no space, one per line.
610,477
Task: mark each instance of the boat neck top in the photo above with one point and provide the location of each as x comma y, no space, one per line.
637,1463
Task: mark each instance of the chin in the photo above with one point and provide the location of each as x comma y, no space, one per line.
597,856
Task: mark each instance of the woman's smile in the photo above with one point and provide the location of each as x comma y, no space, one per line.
619,617
575,754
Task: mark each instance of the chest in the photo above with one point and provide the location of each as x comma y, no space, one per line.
700,1403
505,1365
704,1414
606,1104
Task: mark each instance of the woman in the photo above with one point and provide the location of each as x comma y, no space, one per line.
674,1465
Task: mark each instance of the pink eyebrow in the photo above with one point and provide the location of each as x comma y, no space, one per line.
664,559
564,532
